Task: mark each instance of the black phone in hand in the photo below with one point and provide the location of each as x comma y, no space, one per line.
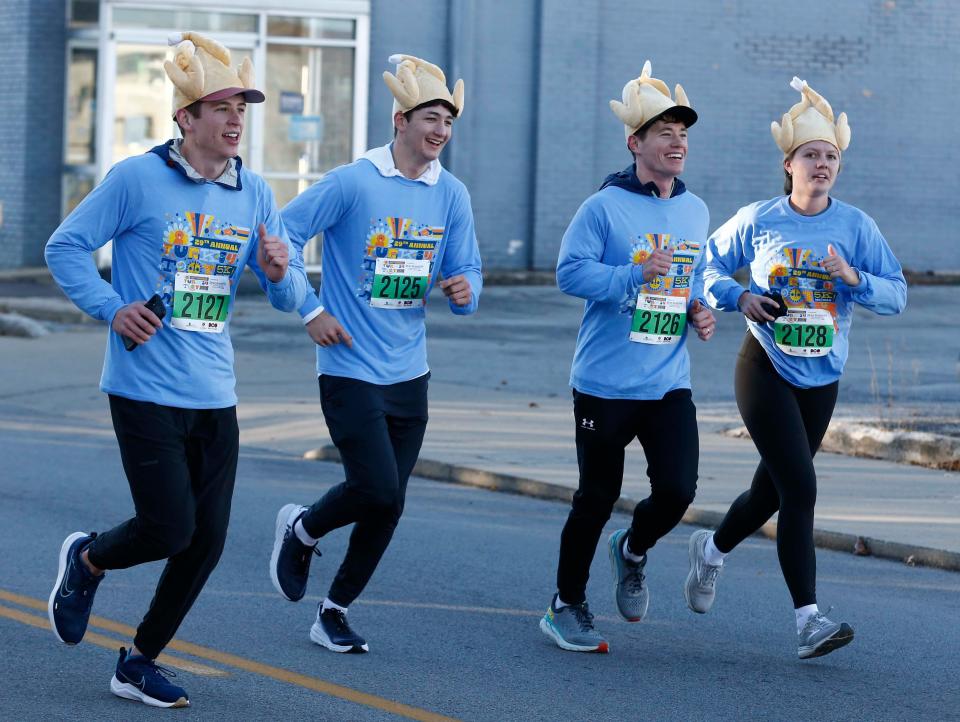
154,304
781,309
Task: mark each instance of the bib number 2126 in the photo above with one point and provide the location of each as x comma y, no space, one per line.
658,320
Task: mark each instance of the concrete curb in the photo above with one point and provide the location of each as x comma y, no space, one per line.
14,324
494,276
44,309
909,554
934,451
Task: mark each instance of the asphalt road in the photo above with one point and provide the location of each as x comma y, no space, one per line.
452,614
451,617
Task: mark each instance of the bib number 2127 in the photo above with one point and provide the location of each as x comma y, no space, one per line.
200,302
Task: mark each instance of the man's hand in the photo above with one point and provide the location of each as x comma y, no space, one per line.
657,264
272,255
702,319
752,306
325,330
457,289
837,266
136,322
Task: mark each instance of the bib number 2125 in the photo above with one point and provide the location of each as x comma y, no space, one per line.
399,283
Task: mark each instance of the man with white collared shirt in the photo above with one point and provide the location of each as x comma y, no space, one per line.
393,222
185,219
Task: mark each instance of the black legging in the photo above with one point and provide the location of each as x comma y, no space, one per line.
787,425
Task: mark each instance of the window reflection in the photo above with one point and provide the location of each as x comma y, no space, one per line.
75,188
309,113
81,106
323,28
179,19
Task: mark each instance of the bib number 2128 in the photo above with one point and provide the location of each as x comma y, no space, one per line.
805,332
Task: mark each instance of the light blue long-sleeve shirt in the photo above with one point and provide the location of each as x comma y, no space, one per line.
784,250
601,258
367,211
163,223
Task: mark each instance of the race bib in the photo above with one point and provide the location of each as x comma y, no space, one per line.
400,283
658,320
200,302
804,332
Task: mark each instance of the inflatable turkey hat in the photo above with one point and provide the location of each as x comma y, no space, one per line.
201,70
418,82
645,99
810,119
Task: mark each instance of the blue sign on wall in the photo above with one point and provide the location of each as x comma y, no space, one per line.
306,127
291,103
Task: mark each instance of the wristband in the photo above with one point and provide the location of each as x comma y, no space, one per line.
312,315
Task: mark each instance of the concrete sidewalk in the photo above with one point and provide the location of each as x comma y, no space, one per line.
501,411
894,509
501,416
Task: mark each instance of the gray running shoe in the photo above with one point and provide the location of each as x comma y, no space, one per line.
572,628
629,589
820,636
700,588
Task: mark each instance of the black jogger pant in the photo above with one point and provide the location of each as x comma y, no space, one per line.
787,425
378,430
181,465
667,431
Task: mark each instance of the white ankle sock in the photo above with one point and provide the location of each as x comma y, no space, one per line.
302,534
327,604
803,614
629,555
711,555
559,604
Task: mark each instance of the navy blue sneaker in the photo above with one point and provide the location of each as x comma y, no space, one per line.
290,560
143,680
72,597
332,631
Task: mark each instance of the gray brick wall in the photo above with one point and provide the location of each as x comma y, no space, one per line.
537,136
489,45
32,51
14,42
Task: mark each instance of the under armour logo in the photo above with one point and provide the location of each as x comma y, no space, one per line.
587,424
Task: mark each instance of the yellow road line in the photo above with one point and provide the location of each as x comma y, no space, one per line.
102,640
231,660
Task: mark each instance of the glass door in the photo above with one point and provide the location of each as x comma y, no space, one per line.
311,118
